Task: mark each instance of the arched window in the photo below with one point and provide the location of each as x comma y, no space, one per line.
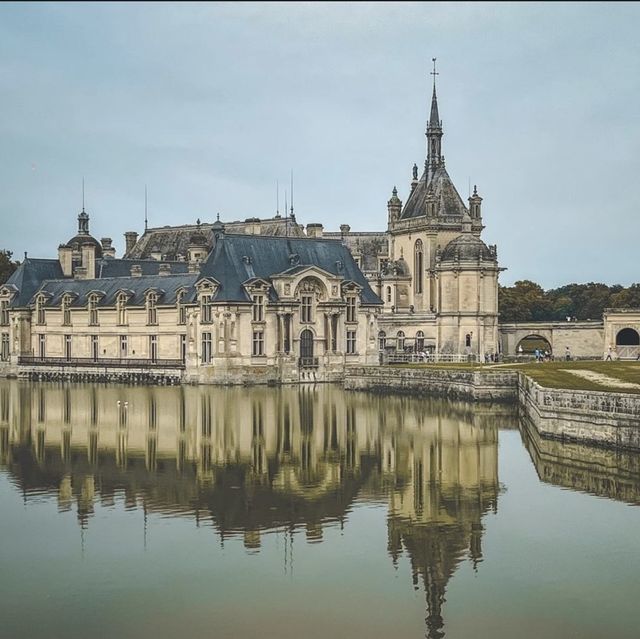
66,311
418,266
121,307
40,317
419,341
152,309
467,340
382,340
400,341
92,307
627,337
388,294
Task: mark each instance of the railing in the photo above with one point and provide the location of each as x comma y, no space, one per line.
416,358
308,362
101,362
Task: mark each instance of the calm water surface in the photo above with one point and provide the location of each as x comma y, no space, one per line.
304,512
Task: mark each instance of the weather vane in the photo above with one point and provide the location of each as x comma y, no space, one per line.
434,73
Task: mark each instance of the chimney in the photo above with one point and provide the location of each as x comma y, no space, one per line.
315,230
254,226
344,231
136,270
164,269
130,239
89,260
65,255
194,267
107,249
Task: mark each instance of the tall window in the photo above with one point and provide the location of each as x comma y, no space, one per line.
42,345
153,348
382,340
418,266
351,342
400,341
183,347
206,348
258,343
258,308
121,308
4,313
182,310
40,317
388,294
124,346
351,308
152,309
467,340
94,347
306,309
419,341
67,347
4,347
66,311
206,306
93,309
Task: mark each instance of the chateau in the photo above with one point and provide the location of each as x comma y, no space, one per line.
264,300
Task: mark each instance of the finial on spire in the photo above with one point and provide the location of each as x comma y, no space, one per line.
475,190
434,73
395,192
198,222
217,217
292,193
83,193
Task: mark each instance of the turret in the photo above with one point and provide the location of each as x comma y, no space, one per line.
394,206
475,204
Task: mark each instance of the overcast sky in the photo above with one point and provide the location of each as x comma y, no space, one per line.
210,104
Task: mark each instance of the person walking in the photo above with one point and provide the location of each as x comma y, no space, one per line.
609,357
567,354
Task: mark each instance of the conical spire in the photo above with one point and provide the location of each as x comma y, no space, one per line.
434,117
434,133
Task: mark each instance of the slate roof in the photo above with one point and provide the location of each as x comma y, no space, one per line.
28,277
166,286
113,267
238,258
449,202
172,241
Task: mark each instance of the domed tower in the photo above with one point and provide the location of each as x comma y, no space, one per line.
394,206
467,271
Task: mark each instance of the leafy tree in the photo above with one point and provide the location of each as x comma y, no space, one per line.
7,267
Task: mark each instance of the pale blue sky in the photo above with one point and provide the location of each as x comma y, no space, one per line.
210,104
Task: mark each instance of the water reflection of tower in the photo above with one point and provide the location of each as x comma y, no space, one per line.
451,481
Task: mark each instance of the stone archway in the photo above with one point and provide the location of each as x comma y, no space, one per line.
532,342
628,337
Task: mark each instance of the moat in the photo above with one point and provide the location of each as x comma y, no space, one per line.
305,511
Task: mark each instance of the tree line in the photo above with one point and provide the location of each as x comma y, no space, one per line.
7,265
527,301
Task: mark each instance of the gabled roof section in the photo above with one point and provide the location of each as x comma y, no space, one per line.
28,277
448,200
238,258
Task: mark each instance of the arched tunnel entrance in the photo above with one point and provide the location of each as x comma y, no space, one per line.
532,342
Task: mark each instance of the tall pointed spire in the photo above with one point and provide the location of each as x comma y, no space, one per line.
83,218
434,132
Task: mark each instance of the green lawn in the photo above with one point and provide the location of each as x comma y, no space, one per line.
555,375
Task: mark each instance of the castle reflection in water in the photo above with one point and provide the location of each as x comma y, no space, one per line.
253,460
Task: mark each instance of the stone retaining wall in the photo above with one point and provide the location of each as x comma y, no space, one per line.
490,385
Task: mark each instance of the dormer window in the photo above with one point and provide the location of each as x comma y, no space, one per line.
4,313
258,308
66,311
206,307
152,309
40,313
93,309
121,309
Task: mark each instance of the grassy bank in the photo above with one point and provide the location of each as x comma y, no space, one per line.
580,375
